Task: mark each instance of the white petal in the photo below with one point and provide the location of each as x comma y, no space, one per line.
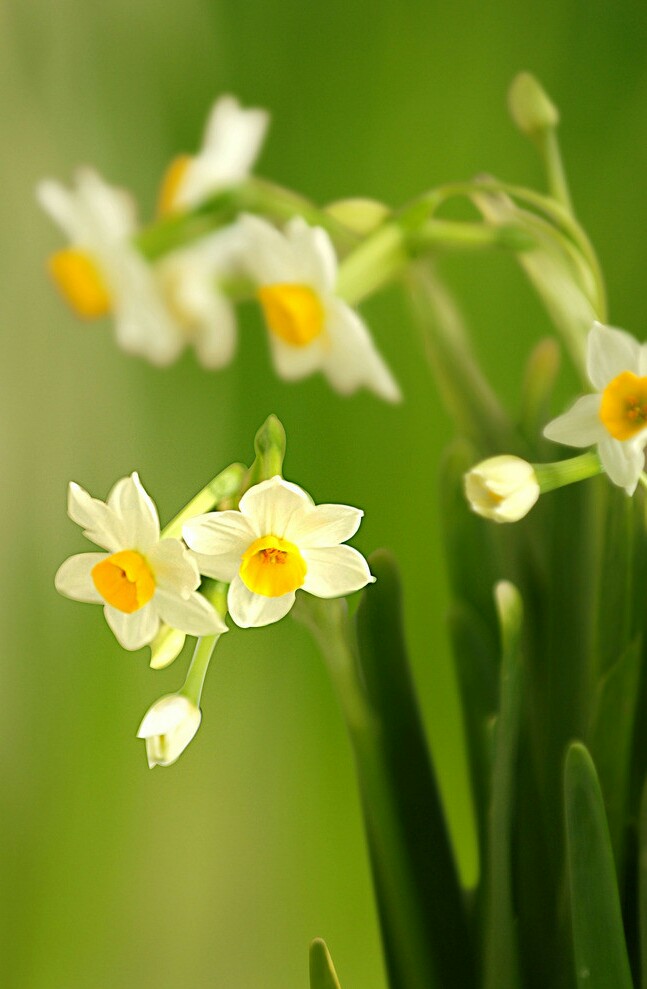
352,359
193,615
167,714
109,209
99,522
131,503
175,569
580,426
222,537
623,462
293,363
74,580
314,255
609,352
60,204
334,571
251,610
324,525
270,505
268,257
143,324
232,141
135,630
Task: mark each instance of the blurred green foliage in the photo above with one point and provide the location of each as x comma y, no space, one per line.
218,871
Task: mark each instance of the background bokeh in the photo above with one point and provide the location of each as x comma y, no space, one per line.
218,871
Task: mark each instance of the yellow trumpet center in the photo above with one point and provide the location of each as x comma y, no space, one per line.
623,409
293,312
173,178
80,282
124,580
272,566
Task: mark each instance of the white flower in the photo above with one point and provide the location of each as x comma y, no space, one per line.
168,727
278,542
503,488
310,328
615,418
158,308
231,144
142,578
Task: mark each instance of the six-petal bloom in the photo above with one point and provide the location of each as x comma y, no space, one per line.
279,541
168,727
142,578
615,418
310,328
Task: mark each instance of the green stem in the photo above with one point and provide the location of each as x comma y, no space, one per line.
216,593
563,472
554,165
223,487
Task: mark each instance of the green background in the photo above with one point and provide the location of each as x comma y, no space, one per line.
218,871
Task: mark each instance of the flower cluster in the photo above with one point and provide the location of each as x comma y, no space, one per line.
613,419
181,298
277,543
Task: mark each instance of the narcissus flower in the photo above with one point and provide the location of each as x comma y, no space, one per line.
503,488
168,727
142,578
102,272
615,418
158,308
310,328
278,542
232,141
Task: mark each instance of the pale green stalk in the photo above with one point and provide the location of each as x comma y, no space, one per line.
216,593
563,472
223,487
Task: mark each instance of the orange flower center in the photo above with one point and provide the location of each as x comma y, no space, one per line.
623,409
272,566
293,313
124,580
173,179
80,283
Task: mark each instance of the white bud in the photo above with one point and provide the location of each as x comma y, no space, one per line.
503,488
168,727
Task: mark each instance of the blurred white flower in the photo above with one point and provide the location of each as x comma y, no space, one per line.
615,418
502,488
310,328
142,578
231,144
158,308
168,727
279,541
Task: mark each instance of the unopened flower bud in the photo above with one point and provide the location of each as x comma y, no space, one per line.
503,488
530,107
168,727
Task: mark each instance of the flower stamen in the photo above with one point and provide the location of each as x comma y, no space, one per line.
79,281
623,409
124,580
294,313
272,566
173,178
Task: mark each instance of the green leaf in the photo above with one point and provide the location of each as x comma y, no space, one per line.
501,968
322,970
642,884
601,960
420,903
611,736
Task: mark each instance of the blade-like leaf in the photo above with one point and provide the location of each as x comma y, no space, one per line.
601,960
501,953
419,899
322,970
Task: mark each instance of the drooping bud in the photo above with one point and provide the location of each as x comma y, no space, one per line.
502,488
